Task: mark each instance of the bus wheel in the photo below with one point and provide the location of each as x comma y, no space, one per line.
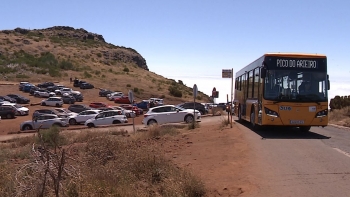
239,114
305,128
252,119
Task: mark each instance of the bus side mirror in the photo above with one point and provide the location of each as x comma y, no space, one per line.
263,72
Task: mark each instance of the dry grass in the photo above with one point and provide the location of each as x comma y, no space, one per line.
224,123
338,115
105,164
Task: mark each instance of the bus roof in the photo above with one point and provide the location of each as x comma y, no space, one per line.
296,55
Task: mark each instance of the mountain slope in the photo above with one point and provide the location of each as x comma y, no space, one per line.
60,52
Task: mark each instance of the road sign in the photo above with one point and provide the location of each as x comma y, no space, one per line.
131,96
226,73
195,91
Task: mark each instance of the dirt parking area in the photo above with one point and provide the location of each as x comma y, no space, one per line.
13,125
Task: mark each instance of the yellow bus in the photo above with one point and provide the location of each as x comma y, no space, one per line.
283,89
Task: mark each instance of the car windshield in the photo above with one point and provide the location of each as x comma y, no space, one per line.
180,108
291,85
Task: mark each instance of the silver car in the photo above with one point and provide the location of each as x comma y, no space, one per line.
45,121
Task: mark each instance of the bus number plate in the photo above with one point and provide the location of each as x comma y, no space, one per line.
296,121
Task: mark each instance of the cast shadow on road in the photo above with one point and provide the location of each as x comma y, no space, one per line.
282,132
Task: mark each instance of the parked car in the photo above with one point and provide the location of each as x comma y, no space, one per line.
7,112
27,87
20,110
190,105
43,93
126,112
55,87
33,89
65,111
77,108
157,101
52,101
2,102
122,99
112,96
144,104
135,109
107,118
77,82
45,122
86,86
104,92
9,99
68,99
45,84
19,99
170,114
83,116
21,85
98,105
78,97
66,90
39,112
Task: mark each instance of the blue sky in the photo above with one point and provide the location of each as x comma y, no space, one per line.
194,40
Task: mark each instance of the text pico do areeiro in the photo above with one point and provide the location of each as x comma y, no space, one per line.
296,63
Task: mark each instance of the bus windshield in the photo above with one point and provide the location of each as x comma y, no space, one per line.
295,86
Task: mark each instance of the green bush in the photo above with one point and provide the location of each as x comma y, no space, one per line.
99,55
66,65
87,74
136,90
128,85
126,69
174,91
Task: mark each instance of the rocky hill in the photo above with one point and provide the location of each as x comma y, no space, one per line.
60,52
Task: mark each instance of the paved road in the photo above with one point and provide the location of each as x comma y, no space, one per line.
293,163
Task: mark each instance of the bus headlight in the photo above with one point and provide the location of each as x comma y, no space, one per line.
270,112
322,113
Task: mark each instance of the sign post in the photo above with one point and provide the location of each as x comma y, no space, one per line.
228,73
195,92
131,99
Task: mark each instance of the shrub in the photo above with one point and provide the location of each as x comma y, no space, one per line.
128,85
126,69
99,55
22,76
66,65
87,74
136,90
174,91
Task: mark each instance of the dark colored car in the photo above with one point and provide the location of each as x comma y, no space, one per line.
77,108
27,87
86,86
9,99
68,99
45,84
145,104
53,88
33,89
104,92
190,105
19,99
78,97
39,112
77,82
7,112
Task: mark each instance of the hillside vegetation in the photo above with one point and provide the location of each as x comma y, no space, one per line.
60,52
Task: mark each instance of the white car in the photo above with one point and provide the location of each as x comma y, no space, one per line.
66,111
107,118
52,101
114,95
128,113
43,93
170,114
66,90
83,116
45,121
20,110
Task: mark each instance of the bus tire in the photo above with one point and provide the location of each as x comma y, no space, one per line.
252,120
305,128
239,114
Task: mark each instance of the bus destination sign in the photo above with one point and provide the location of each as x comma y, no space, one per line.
282,63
